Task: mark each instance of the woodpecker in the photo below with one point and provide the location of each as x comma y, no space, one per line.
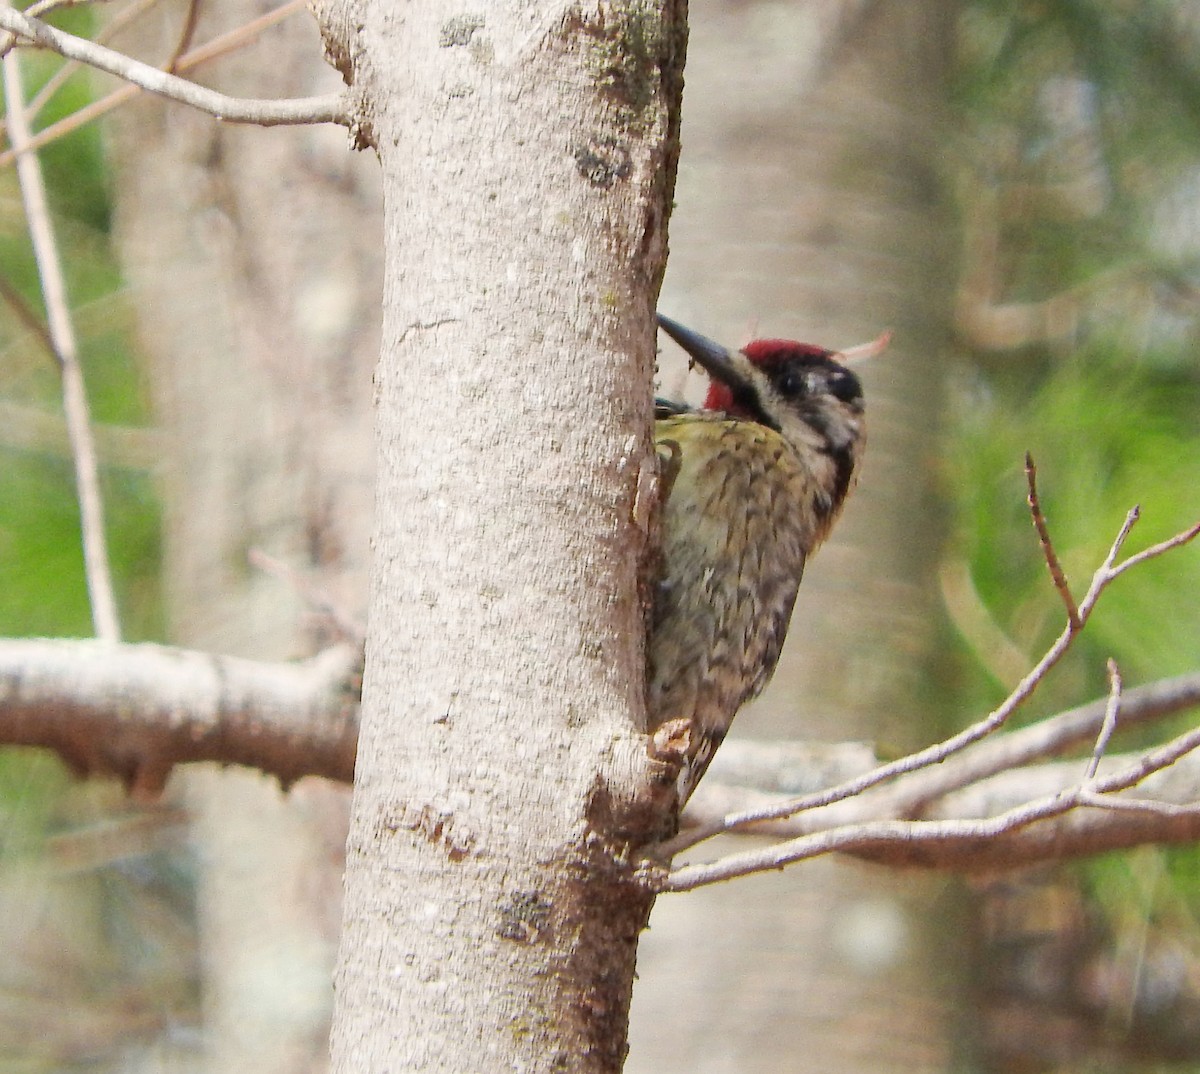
753,482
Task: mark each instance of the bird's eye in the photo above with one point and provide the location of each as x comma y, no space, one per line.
791,383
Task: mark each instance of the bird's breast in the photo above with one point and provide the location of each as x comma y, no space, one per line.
741,516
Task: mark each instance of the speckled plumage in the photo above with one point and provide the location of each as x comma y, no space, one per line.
746,505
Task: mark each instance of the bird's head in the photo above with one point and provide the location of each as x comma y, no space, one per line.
801,391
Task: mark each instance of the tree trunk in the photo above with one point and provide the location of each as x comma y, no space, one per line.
809,208
490,923
253,258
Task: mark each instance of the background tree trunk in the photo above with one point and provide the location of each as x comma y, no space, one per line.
809,208
254,259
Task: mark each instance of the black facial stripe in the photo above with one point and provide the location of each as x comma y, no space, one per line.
745,398
843,470
840,454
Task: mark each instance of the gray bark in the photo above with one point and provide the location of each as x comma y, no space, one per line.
489,923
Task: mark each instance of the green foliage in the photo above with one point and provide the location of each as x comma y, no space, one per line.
41,563
1108,434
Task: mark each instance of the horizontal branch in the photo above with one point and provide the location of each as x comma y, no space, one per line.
953,835
135,711
331,108
101,106
793,767
1047,814
914,794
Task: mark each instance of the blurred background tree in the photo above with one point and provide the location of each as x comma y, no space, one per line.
1013,188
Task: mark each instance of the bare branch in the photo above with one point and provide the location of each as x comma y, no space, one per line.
135,711
111,27
958,841
36,11
218,46
1043,532
1147,764
747,774
1153,551
872,838
62,338
1112,825
332,108
862,838
1137,805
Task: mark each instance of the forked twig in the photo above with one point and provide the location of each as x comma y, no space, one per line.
213,49
874,834
1155,550
331,108
1111,712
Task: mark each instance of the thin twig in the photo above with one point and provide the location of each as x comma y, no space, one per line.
218,46
1147,764
1138,805
62,335
1043,532
1111,711
917,793
109,30
331,108
36,11
27,315
190,22
852,837
1157,549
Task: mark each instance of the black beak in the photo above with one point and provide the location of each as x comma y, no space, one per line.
710,356
715,361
